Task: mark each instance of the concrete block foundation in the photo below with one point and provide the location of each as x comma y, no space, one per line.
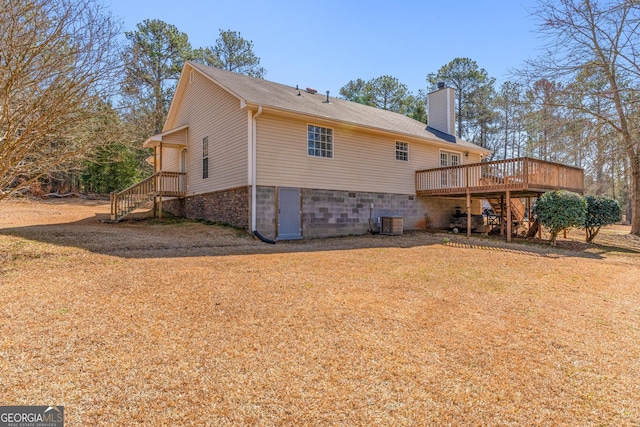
324,213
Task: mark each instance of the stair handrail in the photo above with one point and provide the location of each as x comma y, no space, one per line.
126,201
123,197
138,184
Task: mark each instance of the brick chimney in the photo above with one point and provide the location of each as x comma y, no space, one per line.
441,110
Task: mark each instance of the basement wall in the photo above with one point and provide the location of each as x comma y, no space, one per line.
329,213
227,207
325,213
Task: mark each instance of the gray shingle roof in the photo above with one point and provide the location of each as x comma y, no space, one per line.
281,97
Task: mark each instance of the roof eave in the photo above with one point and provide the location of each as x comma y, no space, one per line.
155,140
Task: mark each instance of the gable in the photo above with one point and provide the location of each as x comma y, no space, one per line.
209,111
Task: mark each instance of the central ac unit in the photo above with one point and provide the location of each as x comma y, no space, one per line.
391,225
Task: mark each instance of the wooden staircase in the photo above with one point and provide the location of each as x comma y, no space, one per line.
167,184
517,210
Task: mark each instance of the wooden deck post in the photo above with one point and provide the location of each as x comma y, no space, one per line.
113,199
501,215
160,189
509,222
155,170
468,212
539,224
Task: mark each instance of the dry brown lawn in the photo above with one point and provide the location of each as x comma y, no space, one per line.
184,323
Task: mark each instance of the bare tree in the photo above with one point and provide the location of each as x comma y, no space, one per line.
508,106
601,36
58,61
545,122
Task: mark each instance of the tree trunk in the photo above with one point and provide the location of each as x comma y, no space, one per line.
635,194
592,233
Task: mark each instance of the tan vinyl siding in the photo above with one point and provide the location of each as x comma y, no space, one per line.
171,154
179,137
170,159
441,110
361,161
212,112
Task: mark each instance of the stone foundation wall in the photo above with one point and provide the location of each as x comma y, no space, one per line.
227,207
325,213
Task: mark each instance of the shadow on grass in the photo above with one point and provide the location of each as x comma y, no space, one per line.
563,249
172,237
602,249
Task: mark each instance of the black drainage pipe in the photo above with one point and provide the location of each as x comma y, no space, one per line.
264,239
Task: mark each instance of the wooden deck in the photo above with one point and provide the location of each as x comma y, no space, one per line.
521,175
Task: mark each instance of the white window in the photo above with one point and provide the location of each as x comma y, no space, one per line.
191,76
402,151
205,157
319,141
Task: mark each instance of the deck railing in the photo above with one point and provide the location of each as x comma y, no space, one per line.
522,174
169,184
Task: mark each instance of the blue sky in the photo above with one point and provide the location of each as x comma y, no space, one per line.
324,44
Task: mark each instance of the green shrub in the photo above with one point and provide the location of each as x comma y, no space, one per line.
558,210
600,211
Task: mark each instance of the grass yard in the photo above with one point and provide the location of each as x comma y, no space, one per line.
183,323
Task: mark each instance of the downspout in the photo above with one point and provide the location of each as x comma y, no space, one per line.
254,181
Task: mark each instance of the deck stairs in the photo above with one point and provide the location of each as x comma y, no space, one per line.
517,210
160,184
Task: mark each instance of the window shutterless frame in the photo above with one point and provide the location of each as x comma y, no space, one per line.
319,141
402,151
205,157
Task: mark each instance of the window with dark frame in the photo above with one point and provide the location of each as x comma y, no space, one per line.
205,157
319,141
402,151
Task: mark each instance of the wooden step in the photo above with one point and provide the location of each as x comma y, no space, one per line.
517,208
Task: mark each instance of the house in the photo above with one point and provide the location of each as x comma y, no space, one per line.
292,163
